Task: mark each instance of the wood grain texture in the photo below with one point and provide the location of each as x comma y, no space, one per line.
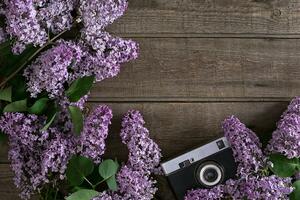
188,18
198,69
177,127
201,60
7,189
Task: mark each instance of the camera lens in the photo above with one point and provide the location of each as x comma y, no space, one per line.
209,174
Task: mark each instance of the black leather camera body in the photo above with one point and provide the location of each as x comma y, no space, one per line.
203,167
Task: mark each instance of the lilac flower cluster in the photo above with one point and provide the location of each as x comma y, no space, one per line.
36,154
286,138
252,188
55,15
50,71
22,24
96,15
246,147
269,187
144,153
134,180
216,193
95,132
105,63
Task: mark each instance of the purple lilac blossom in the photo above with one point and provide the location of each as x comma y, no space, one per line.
49,72
134,180
286,138
22,24
144,153
215,193
55,15
252,188
109,53
135,185
97,14
56,153
246,147
34,154
95,132
267,188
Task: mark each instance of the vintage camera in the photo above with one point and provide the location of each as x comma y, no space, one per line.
203,167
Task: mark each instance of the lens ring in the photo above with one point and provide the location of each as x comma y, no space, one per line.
204,168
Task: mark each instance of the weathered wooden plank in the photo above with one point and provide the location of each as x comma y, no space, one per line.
7,189
198,69
203,17
177,127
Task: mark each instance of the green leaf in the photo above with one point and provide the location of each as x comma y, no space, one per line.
49,121
39,106
112,183
6,94
79,88
83,194
78,168
108,168
17,106
77,119
296,193
283,166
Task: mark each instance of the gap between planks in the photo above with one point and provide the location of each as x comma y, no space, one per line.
209,35
187,99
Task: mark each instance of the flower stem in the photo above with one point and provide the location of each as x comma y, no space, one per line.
102,181
31,57
89,182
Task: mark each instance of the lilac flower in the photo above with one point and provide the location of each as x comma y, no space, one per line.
109,53
50,71
95,132
215,193
134,180
246,147
55,15
286,138
135,185
267,188
97,14
56,153
23,25
35,154
252,188
144,153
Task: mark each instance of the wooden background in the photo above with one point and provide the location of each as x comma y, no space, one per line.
200,61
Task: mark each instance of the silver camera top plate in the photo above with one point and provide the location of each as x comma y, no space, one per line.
195,155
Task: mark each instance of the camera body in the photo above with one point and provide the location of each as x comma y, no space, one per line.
203,167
